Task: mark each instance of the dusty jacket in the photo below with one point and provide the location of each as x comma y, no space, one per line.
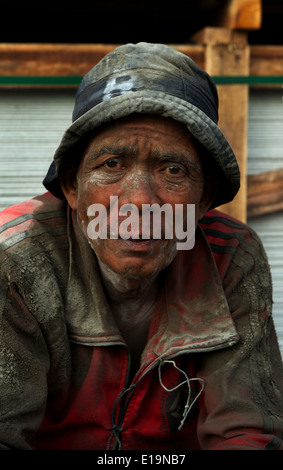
64,365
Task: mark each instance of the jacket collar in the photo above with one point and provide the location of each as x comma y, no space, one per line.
195,316
192,313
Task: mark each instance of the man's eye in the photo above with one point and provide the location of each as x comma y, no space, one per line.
173,170
111,163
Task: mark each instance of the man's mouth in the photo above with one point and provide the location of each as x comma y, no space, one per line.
139,244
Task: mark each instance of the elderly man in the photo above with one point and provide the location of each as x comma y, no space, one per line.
129,340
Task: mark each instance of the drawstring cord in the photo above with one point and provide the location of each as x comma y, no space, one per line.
116,429
187,381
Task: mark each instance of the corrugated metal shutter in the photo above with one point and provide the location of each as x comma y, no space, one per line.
32,124
31,127
265,153
265,131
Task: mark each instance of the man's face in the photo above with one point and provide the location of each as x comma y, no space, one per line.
140,160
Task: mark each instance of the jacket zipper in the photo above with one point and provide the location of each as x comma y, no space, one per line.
123,402
124,398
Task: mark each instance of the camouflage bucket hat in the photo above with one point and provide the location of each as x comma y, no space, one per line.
152,79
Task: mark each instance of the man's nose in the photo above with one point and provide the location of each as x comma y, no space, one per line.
139,189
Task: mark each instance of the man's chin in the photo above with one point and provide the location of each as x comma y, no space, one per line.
135,260
135,272
139,269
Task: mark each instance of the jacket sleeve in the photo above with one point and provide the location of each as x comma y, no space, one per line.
242,407
33,348
24,366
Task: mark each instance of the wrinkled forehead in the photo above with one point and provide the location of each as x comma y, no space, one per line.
151,128
147,138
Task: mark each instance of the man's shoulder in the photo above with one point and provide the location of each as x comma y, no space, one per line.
231,240
216,223
28,219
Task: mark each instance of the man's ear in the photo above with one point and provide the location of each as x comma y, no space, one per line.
209,192
69,185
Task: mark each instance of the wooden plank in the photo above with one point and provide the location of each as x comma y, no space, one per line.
266,60
240,14
50,59
213,36
65,59
77,59
227,53
265,193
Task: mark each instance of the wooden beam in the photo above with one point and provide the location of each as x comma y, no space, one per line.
65,59
50,59
266,60
240,14
77,59
227,53
265,193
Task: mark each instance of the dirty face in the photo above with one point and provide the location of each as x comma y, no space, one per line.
140,160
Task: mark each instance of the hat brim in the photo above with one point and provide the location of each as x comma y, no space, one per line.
162,104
